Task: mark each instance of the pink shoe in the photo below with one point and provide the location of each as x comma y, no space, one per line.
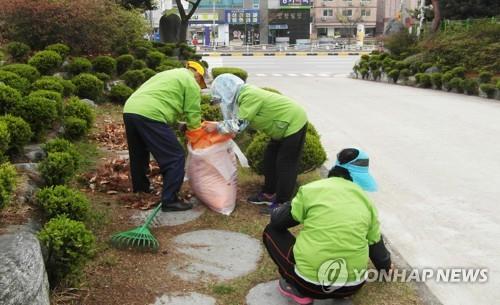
289,291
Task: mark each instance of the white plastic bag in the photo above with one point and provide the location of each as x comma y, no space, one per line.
213,176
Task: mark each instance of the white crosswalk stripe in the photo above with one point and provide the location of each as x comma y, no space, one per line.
324,74
260,74
292,74
307,74
299,75
277,74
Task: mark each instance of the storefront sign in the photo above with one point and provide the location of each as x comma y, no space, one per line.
295,3
241,16
205,17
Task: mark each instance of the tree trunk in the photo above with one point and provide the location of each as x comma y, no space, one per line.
436,22
183,31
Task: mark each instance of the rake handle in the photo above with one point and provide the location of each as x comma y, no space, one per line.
151,216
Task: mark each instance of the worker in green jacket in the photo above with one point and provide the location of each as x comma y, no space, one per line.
149,114
329,256
276,115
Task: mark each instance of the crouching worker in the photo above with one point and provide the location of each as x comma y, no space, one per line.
329,257
149,115
278,116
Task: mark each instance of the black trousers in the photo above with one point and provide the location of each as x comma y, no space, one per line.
281,165
145,136
279,244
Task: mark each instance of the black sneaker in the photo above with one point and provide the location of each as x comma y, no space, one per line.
261,198
176,206
267,210
291,292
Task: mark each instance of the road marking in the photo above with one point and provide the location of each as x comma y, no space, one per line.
341,75
307,74
324,75
260,74
277,74
292,74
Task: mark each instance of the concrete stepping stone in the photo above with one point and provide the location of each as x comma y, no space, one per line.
215,254
171,218
192,299
267,293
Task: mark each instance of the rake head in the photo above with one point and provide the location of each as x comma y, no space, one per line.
139,238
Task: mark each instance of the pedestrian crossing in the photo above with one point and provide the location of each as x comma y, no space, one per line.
322,75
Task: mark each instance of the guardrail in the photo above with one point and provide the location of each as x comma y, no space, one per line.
285,48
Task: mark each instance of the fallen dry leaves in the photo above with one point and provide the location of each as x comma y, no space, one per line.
112,137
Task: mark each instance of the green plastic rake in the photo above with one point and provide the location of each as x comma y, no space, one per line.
139,238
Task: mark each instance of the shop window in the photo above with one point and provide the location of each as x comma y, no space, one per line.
322,32
365,12
347,13
327,13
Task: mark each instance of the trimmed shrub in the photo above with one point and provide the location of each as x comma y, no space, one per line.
376,74
388,64
485,77
79,65
207,98
15,81
20,132
405,73
69,87
471,86
4,138
74,128
102,76
53,96
88,86
69,245
63,145
120,93
172,62
154,59
17,50
447,77
148,73
138,64
162,68
58,168
46,61
141,52
79,109
7,183
364,73
424,66
60,48
270,90
236,71
104,64
23,70
210,113
39,112
423,80
498,84
133,78
437,80
123,63
488,89
458,72
457,84
400,65
365,57
61,200
9,99
394,75
313,155
50,83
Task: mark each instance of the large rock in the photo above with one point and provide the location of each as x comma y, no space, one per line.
191,299
23,279
34,152
215,255
267,293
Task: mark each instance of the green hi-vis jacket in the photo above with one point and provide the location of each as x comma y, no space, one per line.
276,115
166,96
340,222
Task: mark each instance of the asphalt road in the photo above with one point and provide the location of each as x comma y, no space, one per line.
436,157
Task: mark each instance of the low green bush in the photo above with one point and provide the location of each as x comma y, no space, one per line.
313,155
456,83
374,65
46,62
148,73
63,145
60,48
120,93
79,65
61,200
365,57
49,83
133,78
167,49
376,74
364,73
4,138
236,71
488,89
104,64
141,52
405,73
69,87
138,64
8,183
388,64
123,63
15,81
400,65
485,77
17,50
154,59
57,169
88,86
270,90
53,96
39,112
162,68
207,98
424,66
458,72
20,132
437,80
102,76
79,109
74,128
498,84
471,86
394,75
210,113
23,70
423,80
9,99
172,62
69,246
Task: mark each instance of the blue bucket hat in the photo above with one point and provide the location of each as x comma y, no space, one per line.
358,169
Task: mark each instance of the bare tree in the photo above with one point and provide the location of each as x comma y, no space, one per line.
185,17
437,16
351,22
